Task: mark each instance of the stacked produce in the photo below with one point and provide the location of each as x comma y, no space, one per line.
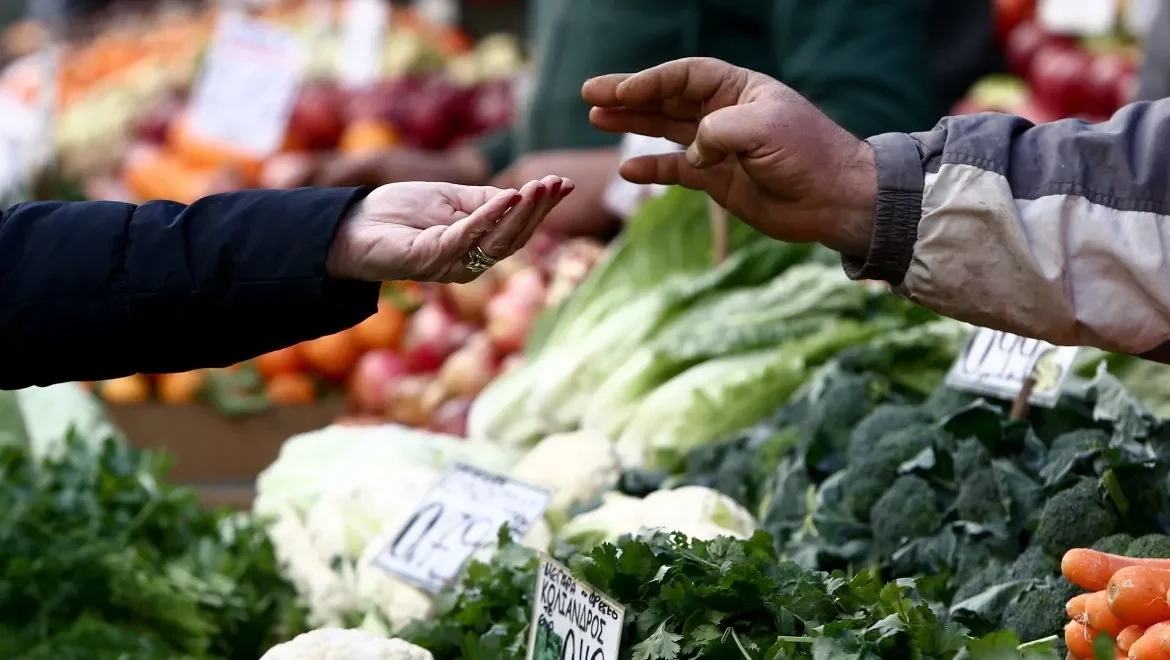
1126,602
1055,75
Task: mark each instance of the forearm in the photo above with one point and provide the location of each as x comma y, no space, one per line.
1058,231
98,289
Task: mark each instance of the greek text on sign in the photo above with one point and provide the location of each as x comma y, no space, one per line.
247,86
571,620
463,513
997,364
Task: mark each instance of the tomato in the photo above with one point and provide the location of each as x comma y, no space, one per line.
281,361
181,387
333,356
126,390
291,390
383,329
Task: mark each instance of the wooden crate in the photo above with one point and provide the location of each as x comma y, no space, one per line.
218,455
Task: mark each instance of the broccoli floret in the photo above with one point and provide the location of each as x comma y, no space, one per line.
987,577
846,400
907,510
884,420
970,455
1116,544
1032,564
1074,518
869,478
1040,610
978,499
1150,545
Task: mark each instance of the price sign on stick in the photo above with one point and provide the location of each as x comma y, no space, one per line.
364,33
1000,364
570,619
462,514
246,89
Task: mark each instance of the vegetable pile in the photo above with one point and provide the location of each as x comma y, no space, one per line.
1126,603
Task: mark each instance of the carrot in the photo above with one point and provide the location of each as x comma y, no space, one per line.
1137,594
1149,645
1079,639
1098,616
1091,569
1128,636
1075,608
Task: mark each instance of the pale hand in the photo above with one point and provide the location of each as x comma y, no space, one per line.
590,169
756,146
424,231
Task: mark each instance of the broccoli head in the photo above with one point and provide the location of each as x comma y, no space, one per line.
978,499
1075,518
846,400
877,468
1032,564
1040,610
970,455
881,422
1150,545
1116,544
907,510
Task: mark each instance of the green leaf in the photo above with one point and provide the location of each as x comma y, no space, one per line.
662,645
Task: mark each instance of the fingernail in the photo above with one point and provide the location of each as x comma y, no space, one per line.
516,197
555,188
568,188
540,190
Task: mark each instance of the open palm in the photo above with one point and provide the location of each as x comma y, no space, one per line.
424,231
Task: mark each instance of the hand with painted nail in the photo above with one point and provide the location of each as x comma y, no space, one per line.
439,232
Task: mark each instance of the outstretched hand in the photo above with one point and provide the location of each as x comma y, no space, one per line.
427,231
755,145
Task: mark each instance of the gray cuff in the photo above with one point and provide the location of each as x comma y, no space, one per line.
899,207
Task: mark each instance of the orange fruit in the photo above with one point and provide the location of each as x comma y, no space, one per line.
332,356
383,329
126,390
367,135
281,361
181,387
291,389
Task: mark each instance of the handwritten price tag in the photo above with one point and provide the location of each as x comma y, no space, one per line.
363,37
462,514
571,620
245,92
995,363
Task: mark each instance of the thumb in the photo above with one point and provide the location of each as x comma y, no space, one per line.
733,130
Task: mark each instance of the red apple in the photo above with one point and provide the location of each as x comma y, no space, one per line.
432,334
1058,77
1022,45
317,120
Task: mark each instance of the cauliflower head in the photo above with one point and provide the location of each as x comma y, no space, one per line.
342,644
574,467
694,510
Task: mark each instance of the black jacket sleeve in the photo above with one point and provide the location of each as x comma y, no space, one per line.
94,290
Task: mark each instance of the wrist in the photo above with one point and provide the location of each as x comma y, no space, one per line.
339,262
854,212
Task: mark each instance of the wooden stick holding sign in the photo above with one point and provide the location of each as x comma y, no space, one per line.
717,217
1023,401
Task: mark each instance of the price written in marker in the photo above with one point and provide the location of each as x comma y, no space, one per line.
995,363
571,620
246,88
462,514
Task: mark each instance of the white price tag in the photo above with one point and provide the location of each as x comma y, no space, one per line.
623,198
246,90
363,38
1081,17
571,620
997,364
462,514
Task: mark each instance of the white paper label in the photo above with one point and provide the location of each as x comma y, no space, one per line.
571,620
362,40
623,198
1081,17
997,364
463,513
246,89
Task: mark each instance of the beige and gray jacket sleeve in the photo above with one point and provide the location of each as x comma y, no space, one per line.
1059,231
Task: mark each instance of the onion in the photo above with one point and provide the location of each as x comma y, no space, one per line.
509,320
470,300
527,286
412,400
451,418
432,334
470,368
376,371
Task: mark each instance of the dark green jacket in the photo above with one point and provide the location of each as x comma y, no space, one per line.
864,62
